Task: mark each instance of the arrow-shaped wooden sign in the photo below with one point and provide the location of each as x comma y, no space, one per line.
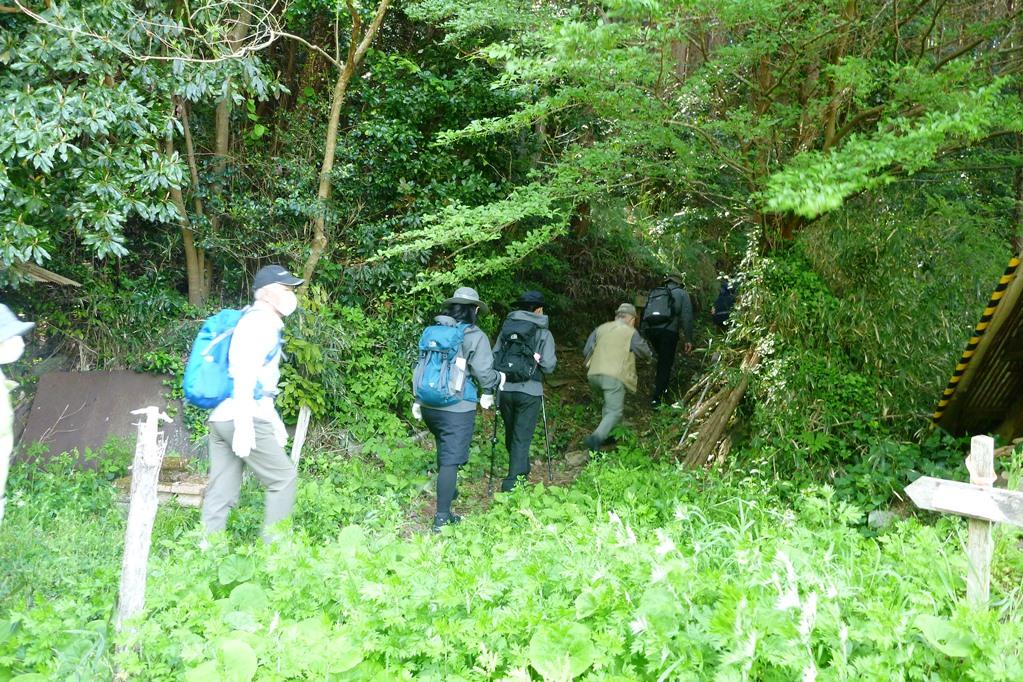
965,499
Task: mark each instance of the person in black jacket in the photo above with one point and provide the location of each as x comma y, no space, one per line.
722,307
525,342
663,331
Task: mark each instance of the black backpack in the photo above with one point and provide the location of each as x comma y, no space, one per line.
518,344
660,308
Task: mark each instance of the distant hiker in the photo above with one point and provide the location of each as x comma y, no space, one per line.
611,352
455,371
12,345
524,351
668,309
722,307
245,429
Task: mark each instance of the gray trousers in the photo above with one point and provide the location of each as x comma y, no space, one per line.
614,403
267,461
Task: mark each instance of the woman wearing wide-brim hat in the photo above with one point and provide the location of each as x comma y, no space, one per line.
452,426
12,345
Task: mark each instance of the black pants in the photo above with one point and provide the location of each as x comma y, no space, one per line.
520,412
665,344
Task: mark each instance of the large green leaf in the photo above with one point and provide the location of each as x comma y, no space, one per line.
343,654
247,597
561,651
944,637
236,662
235,569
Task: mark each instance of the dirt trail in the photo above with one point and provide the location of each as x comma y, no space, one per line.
573,410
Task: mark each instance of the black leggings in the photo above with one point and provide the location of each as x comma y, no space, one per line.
447,487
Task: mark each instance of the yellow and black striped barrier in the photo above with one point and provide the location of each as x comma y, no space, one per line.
978,334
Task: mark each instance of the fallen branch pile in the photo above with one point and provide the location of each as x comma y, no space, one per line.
705,439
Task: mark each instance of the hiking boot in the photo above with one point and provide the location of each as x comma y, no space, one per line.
591,442
441,520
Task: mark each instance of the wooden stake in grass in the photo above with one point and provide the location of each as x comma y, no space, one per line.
301,429
981,503
145,472
979,546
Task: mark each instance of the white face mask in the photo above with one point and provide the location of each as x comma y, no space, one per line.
286,303
11,349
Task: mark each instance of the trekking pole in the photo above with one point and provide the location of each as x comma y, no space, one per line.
546,437
493,446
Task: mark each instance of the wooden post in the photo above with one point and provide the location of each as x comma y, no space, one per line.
982,504
141,514
300,431
981,465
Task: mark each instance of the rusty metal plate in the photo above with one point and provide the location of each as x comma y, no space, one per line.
79,410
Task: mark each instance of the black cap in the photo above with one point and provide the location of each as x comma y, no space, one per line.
531,298
274,274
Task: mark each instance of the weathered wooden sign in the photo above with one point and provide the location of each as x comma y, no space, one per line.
978,501
967,499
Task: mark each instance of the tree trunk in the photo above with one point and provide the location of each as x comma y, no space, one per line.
319,240
357,46
1017,239
204,264
193,269
222,130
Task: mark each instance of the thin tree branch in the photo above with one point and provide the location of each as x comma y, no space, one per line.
930,29
318,50
958,53
747,173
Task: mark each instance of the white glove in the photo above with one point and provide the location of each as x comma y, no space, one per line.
417,411
486,401
504,378
244,436
280,431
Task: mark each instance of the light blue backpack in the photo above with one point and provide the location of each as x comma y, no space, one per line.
438,381
207,382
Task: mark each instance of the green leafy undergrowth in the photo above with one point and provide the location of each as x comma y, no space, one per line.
62,538
639,571
60,547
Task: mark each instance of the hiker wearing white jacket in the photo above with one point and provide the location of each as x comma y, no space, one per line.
12,345
245,429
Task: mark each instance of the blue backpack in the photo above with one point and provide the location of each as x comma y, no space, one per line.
438,381
207,382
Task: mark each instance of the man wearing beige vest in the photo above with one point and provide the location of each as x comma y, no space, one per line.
611,353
